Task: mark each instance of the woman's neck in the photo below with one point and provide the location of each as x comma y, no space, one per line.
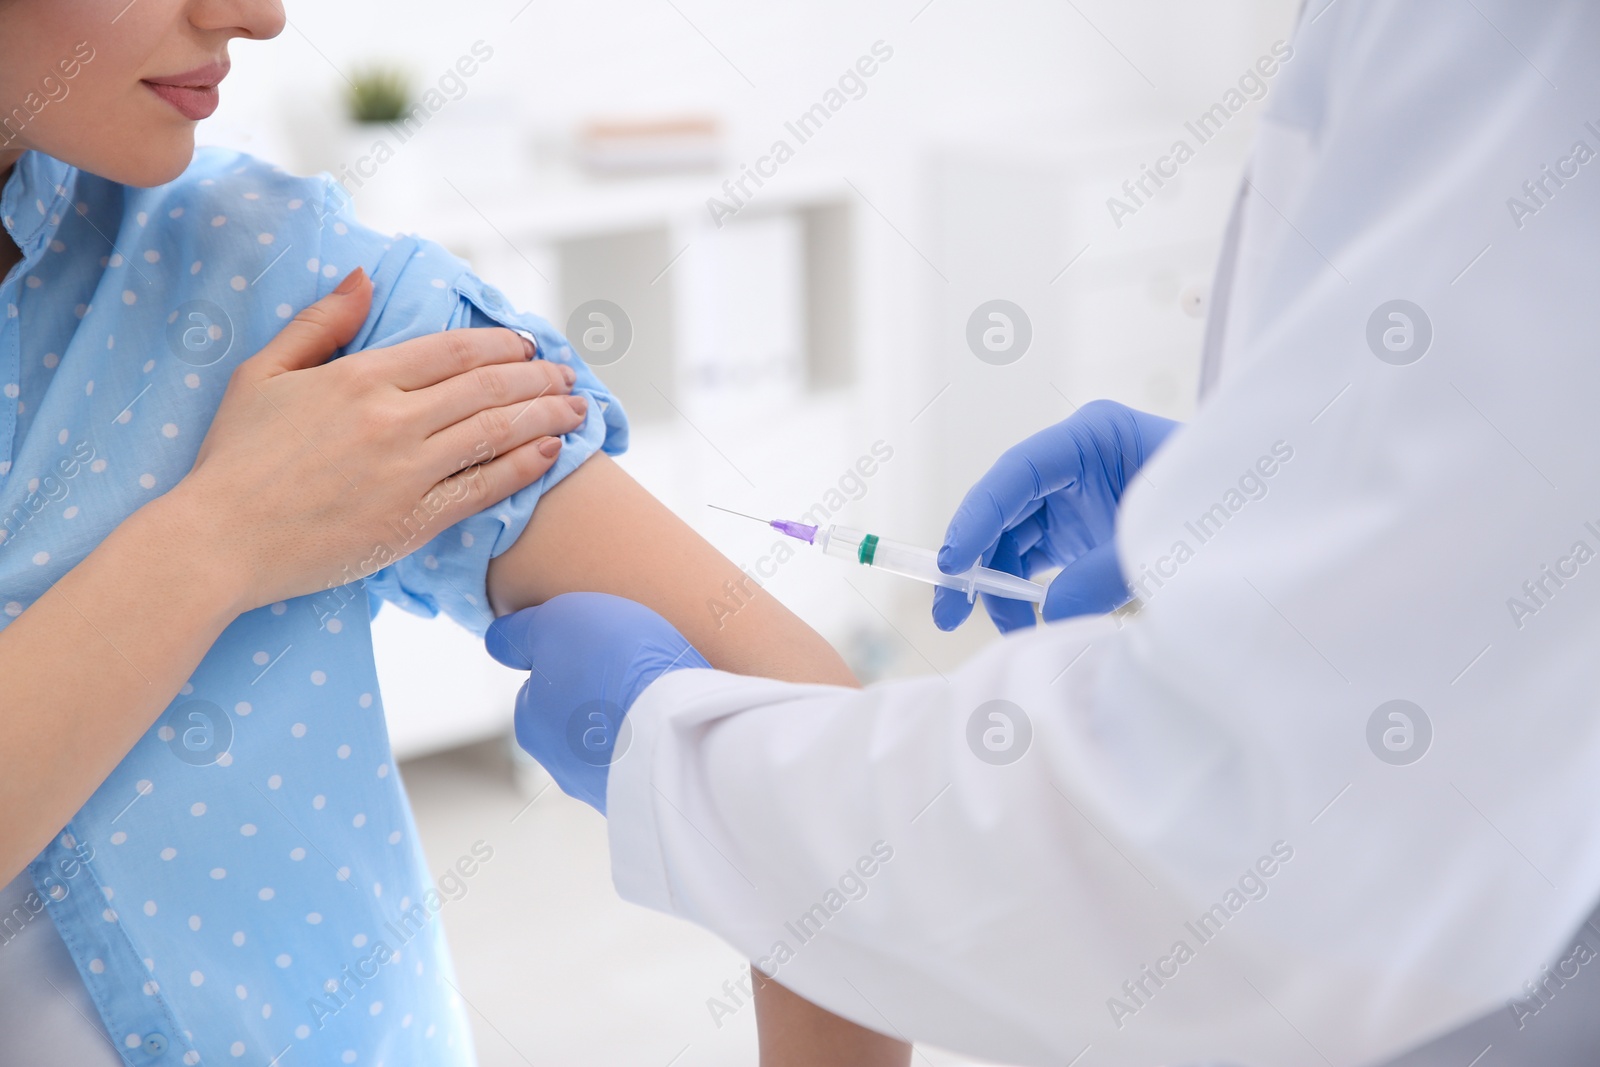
10,254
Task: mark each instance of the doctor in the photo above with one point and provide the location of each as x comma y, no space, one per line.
1335,789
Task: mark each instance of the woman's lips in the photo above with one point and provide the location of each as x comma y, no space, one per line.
192,102
194,92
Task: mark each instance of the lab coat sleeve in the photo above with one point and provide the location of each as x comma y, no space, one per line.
1146,879
1336,787
989,863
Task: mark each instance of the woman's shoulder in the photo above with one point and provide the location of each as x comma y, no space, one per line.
233,226
233,213
244,243
223,188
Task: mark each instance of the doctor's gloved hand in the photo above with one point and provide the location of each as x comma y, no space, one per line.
590,655
1052,501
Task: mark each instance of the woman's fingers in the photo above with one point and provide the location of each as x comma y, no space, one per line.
471,490
318,331
498,431
492,426
496,385
438,357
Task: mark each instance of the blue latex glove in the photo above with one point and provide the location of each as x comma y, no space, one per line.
1052,501
590,655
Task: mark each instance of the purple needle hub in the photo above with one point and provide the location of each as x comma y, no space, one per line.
797,530
788,527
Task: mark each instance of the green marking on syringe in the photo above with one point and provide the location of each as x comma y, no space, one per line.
908,561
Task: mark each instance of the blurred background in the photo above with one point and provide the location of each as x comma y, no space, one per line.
779,231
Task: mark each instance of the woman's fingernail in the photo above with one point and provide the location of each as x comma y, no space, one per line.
529,348
350,282
579,405
568,373
549,447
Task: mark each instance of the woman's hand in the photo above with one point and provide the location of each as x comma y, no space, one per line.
317,473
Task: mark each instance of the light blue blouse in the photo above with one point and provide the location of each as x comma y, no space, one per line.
248,882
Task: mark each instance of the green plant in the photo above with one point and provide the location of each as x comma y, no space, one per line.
379,94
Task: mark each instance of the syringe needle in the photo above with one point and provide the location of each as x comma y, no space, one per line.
742,515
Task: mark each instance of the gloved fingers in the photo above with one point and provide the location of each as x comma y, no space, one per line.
1007,494
548,735
1128,438
1051,460
1045,463
1056,454
530,720
1006,554
508,639
1008,615
950,608
1027,534
516,639
1102,436
1092,584
1042,558
590,655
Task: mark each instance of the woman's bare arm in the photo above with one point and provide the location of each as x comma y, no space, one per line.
599,531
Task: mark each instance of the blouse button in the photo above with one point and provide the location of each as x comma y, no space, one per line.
155,1044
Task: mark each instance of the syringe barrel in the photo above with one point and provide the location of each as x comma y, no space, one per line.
921,564
841,542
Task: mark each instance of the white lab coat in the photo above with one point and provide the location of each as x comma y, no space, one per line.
1032,911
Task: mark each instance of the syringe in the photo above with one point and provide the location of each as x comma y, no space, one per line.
908,561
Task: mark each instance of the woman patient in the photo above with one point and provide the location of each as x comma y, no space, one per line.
207,855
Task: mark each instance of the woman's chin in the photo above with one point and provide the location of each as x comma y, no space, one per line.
155,160
158,168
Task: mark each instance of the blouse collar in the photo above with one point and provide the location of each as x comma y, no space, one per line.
36,197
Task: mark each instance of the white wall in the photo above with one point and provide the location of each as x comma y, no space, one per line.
1027,70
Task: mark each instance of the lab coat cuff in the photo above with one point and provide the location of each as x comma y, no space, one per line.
645,779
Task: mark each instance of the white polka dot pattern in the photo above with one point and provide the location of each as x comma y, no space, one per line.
284,857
